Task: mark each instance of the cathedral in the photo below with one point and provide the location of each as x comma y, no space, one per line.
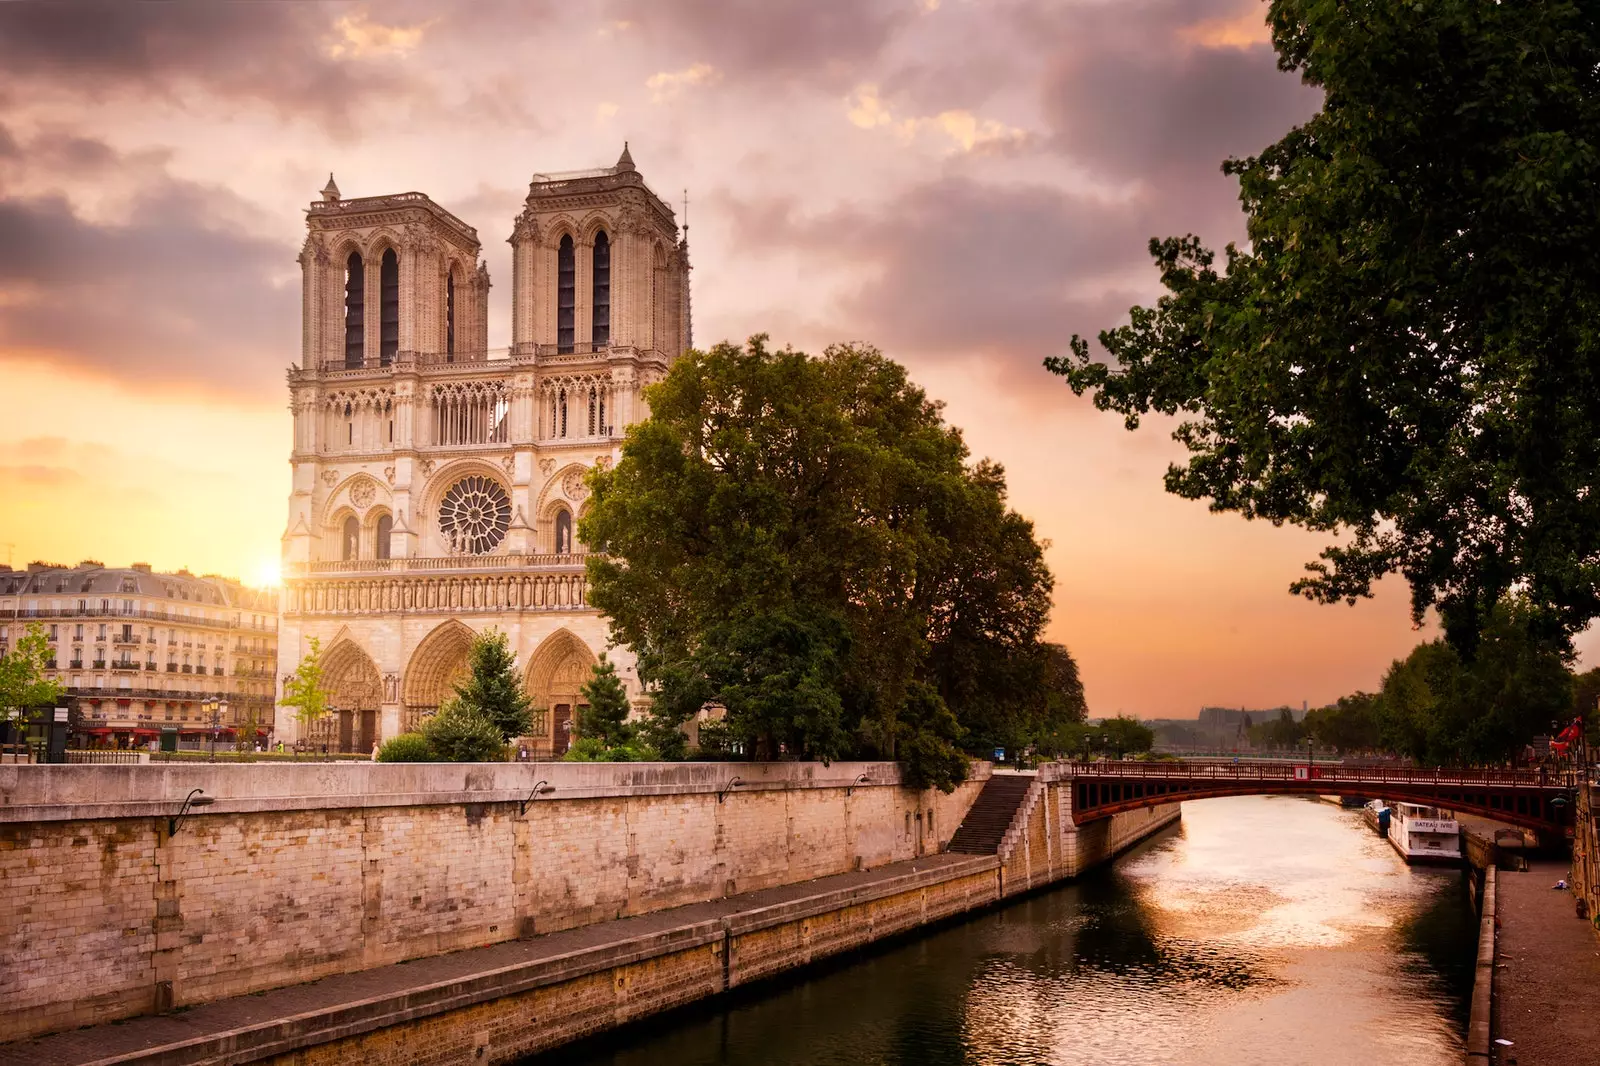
438,483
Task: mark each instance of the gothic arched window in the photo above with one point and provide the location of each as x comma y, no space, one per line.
566,294
355,298
385,527
450,315
561,413
594,404
600,313
389,310
563,532
351,541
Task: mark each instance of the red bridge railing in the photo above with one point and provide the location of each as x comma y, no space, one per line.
1331,774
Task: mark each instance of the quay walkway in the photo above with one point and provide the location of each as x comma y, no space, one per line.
1547,973
274,1025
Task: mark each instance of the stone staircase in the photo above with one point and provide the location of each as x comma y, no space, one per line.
992,813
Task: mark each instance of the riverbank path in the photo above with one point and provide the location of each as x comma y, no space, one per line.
1547,973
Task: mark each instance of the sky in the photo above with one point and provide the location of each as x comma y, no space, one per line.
963,183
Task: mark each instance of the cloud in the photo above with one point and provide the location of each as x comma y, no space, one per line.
173,291
964,130
1152,86
668,84
822,42
274,53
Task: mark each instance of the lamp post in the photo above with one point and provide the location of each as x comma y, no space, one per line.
208,708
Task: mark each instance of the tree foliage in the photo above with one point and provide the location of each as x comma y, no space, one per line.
1349,725
804,542
460,732
492,689
23,684
606,717
407,747
303,690
1407,356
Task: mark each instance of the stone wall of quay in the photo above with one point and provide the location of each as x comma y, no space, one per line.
297,872
1043,844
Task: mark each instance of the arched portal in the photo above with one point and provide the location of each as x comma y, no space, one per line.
437,664
556,674
354,688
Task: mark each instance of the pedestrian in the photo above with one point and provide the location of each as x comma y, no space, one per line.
374,751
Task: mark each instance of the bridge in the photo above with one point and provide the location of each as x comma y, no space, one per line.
1536,799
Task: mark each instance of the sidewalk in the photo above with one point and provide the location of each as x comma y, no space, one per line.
197,1033
1547,973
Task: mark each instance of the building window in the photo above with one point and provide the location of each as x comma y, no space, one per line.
52,632
450,316
355,298
561,413
600,314
385,527
389,295
566,294
563,532
594,399
352,538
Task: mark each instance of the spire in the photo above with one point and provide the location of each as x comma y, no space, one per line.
625,161
330,191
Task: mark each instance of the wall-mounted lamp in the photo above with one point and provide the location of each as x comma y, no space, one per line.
540,788
863,779
196,798
729,787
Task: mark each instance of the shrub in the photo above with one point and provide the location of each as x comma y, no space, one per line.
459,733
407,747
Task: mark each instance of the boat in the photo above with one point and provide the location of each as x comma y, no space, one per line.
1425,834
1377,815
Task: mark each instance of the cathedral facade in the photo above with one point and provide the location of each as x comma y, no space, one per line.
437,484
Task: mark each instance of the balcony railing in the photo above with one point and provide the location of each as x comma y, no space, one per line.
566,561
95,612
99,664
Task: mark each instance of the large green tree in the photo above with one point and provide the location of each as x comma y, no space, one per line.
805,542
1407,355
303,691
605,717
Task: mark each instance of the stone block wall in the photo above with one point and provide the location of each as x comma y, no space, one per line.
301,871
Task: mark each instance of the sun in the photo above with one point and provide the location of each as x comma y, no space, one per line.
268,574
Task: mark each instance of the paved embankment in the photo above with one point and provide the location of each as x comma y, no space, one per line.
707,945
1547,973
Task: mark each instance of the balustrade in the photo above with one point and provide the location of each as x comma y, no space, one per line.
557,591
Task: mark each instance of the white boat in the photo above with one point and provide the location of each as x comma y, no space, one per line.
1376,813
1424,834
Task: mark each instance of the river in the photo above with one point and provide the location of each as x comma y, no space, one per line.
1266,930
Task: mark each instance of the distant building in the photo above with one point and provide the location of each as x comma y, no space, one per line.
142,652
437,484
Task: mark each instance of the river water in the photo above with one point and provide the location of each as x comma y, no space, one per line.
1266,930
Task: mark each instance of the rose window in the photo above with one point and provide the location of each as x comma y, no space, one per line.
474,515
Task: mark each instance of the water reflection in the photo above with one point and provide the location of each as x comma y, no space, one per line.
1271,931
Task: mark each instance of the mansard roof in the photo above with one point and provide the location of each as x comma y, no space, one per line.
92,579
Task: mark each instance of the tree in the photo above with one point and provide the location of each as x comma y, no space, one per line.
491,688
1349,725
23,685
303,690
1439,708
803,541
606,717
459,732
1407,356
1125,735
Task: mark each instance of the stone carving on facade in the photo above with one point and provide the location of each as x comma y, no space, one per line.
388,474
426,467
573,488
603,462
391,688
362,493
509,462
330,478
547,467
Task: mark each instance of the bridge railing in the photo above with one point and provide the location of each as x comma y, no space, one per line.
1332,774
